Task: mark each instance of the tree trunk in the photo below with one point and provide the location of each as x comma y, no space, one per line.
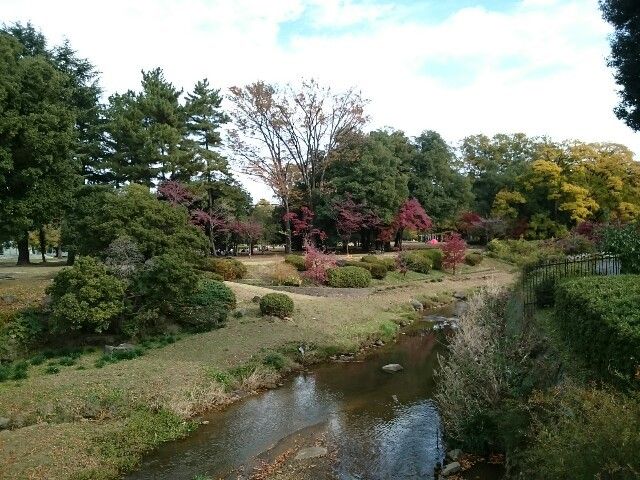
43,244
287,227
58,251
23,249
71,256
398,240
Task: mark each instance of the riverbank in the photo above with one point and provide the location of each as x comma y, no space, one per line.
88,422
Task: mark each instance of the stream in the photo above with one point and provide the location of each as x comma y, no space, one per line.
377,425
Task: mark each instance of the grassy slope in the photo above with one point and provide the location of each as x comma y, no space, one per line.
91,423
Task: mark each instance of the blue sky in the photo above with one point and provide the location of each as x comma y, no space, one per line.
460,67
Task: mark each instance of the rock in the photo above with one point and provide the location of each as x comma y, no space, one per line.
379,343
123,347
450,469
256,299
460,296
436,319
392,368
8,299
461,308
4,423
417,306
454,454
310,452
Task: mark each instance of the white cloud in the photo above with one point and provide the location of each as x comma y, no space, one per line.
539,68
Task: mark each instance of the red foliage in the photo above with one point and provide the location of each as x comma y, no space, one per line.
249,230
470,222
588,229
350,216
302,224
175,193
453,250
317,263
412,216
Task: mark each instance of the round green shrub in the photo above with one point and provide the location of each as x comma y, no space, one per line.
473,259
278,304
85,297
378,271
348,277
418,261
209,307
297,261
228,268
436,256
366,266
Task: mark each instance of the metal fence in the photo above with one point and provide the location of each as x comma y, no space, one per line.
537,275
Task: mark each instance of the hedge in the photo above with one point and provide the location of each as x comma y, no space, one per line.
209,307
388,262
473,259
278,304
348,277
436,256
600,318
297,261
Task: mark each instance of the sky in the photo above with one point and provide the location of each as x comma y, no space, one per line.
460,67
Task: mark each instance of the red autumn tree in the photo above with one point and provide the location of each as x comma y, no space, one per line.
317,263
350,218
175,193
302,224
412,216
248,231
453,249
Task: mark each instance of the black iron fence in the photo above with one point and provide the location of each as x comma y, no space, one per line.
538,278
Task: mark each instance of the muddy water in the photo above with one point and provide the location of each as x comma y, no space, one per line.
377,425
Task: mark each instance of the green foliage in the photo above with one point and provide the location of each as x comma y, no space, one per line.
584,433
277,304
348,277
378,271
388,262
163,282
473,259
297,261
208,307
155,226
624,241
436,256
23,331
118,356
13,371
275,360
600,319
418,261
524,252
228,268
576,245
86,297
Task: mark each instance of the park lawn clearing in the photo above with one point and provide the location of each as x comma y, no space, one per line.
64,425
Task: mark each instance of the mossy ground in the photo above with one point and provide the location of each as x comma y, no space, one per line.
94,422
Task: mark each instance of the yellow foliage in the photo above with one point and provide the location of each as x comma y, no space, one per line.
505,201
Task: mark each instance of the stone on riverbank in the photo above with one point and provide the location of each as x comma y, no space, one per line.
4,423
417,306
123,347
311,452
454,454
392,368
450,469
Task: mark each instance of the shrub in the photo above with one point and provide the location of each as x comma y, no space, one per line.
296,261
275,360
523,252
285,274
388,262
436,256
278,304
584,433
600,319
163,282
349,277
86,297
378,271
418,261
576,245
624,241
208,307
22,332
545,291
473,259
229,268
123,257
317,263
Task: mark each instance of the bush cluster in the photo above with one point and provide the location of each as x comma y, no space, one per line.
436,256
297,261
418,261
277,304
473,259
228,268
349,277
524,252
600,318
624,241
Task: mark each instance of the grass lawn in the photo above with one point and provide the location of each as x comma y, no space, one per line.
88,422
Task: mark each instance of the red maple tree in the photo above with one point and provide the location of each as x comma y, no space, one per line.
412,216
350,218
302,224
453,249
